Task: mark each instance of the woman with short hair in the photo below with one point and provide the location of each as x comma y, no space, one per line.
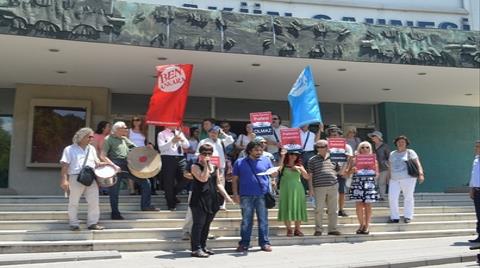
362,189
400,180
73,158
208,194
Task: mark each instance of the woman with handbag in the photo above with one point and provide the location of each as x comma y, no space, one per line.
81,155
208,194
405,169
293,204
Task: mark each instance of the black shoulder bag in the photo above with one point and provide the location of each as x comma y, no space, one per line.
269,198
412,167
87,174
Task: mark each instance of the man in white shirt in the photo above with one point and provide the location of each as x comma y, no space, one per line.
308,140
172,145
274,141
335,132
219,140
475,188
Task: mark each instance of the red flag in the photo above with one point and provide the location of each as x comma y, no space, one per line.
169,99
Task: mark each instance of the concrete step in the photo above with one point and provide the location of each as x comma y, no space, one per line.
221,242
183,206
14,199
225,223
180,214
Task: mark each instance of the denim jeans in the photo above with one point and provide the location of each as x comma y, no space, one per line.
249,205
144,184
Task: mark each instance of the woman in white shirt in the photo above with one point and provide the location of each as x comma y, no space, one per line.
137,134
244,139
400,180
73,158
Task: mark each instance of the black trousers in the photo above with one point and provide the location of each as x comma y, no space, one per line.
200,228
172,177
476,202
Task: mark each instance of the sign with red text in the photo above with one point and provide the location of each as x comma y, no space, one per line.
365,164
337,148
290,138
169,98
215,160
262,123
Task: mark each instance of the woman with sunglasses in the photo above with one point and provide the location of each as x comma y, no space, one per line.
292,205
362,190
208,194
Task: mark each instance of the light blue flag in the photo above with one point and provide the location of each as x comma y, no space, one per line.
303,100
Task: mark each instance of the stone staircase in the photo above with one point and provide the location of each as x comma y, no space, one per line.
40,224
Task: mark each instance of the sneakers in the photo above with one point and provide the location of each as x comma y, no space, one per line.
407,220
267,248
208,251
342,213
393,221
334,233
199,254
317,233
241,249
74,228
95,227
186,236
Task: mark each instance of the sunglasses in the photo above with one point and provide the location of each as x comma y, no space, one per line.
206,154
275,119
364,147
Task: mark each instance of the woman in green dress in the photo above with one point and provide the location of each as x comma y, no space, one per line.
292,206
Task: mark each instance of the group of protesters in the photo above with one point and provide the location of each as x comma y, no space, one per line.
244,174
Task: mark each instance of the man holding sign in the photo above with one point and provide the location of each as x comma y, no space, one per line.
167,108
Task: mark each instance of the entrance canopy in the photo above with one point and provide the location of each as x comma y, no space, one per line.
130,69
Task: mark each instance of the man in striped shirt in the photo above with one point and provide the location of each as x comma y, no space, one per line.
325,187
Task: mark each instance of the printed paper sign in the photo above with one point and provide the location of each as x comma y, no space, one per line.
365,165
262,123
290,138
215,160
186,131
337,148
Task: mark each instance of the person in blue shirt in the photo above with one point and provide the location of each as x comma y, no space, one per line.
249,190
475,188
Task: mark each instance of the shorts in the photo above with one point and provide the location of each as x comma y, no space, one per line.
342,184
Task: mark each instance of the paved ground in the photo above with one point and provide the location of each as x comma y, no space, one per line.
364,254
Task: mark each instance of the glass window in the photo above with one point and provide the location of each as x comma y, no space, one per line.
5,138
52,124
358,113
240,109
331,113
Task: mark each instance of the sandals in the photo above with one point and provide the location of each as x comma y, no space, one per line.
289,232
298,233
362,230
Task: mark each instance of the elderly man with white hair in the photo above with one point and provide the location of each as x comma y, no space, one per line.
116,148
74,157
